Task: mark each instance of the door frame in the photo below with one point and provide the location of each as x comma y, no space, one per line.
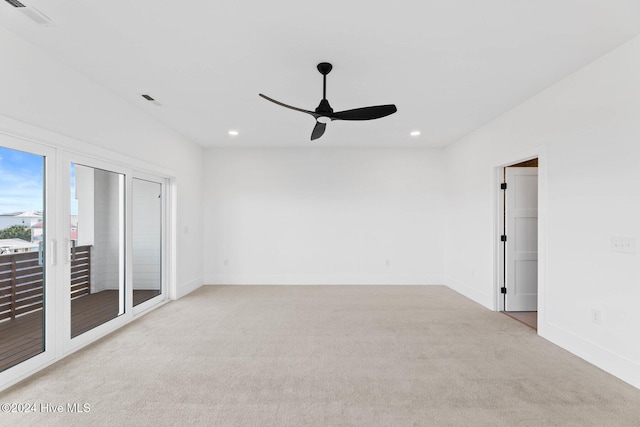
164,243
52,257
68,343
498,227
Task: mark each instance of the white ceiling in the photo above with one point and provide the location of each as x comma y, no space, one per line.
449,66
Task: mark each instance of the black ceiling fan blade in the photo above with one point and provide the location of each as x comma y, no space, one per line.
314,114
318,130
365,113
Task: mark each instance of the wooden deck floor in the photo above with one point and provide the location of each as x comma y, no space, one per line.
23,337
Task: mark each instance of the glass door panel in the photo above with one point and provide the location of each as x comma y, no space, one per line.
22,266
97,242
147,240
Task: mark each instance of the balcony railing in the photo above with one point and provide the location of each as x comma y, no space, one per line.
80,271
22,281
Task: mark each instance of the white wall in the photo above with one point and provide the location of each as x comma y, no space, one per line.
147,235
85,196
51,103
586,130
323,216
109,233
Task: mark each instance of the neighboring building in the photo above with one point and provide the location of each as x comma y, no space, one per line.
37,230
27,218
30,219
14,246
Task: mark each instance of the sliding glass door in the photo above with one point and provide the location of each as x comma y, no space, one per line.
96,247
24,273
82,251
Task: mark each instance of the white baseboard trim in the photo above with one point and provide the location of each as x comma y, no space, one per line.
285,279
188,287
618,366
463,289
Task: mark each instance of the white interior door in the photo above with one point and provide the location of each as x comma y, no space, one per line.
521,247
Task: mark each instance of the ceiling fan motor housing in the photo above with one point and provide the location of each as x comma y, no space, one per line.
324,68
324,108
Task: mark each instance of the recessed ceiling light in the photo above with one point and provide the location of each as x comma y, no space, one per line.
233,132
415,133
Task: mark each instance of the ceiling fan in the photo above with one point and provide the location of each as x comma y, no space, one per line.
324,113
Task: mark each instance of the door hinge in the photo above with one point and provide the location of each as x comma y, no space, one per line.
503,238
503,290
503,186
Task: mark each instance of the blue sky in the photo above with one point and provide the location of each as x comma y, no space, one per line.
21,181
74,201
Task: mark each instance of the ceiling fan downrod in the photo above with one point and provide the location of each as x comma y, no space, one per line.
324,107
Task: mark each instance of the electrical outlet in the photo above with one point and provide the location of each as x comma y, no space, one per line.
387,263
596,316
625,245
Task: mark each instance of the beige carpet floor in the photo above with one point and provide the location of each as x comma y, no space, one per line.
333,355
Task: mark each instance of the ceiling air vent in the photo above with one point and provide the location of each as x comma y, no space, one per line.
15,3
152,100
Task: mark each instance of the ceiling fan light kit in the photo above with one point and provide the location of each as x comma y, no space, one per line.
324,113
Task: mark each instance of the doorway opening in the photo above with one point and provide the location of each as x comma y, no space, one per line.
519,242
